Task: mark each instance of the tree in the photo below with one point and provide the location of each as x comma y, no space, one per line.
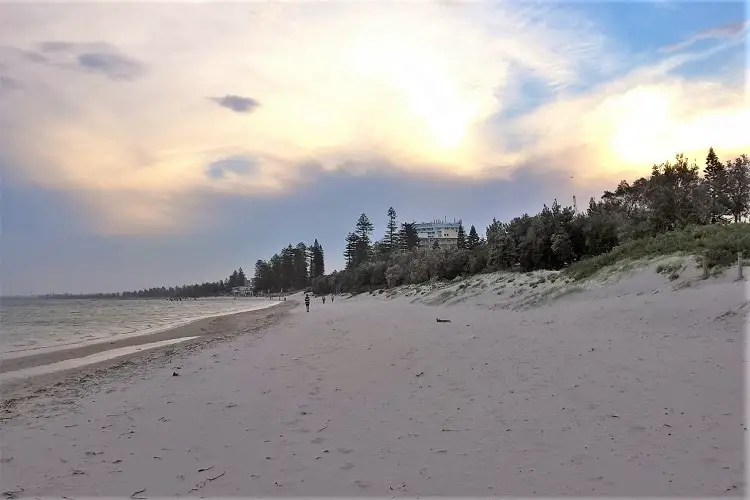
562,247
288,271
263,278
363,230
408,238
502,246
599,230
392,231
380,250
670,195
715,175
461,241
317,261
473,240
435,245
241,278
301,271
350,251
233,280
738,187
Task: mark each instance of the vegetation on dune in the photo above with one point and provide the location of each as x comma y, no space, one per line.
674,210
719,244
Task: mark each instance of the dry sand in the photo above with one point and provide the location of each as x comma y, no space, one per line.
622,393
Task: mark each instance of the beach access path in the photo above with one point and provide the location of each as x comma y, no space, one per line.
624,396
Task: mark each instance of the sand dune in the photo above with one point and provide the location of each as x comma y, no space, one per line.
611,391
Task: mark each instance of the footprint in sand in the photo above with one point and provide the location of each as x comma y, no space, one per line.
347,466
317,440
345,451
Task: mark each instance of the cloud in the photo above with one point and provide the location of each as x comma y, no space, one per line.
618,128
8,83
728,30
236,103
101,58
426,89
114,66
237,165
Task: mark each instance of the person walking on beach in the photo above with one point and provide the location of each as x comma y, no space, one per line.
332,296
324,299
307,302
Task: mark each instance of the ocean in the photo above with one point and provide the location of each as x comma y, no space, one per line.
31,326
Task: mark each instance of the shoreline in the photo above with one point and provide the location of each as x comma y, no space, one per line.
6,356
196,334
52,355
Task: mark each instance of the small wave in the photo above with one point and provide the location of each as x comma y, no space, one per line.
147,318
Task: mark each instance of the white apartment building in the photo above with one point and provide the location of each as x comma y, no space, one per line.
442,231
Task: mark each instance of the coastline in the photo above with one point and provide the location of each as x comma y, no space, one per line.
197,333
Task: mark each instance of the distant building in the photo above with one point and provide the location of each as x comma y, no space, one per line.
442,231
242,291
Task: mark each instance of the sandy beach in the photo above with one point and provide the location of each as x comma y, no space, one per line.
631,389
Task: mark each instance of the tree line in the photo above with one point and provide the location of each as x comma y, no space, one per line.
207,289
292,268
675,195
197,290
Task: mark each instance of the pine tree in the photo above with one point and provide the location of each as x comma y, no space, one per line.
392,230
473,240
262,279
287,268
364,227
276,264
241,278
363,230
317,261
461,242
350,251
301,271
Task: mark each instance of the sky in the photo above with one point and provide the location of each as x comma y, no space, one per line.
154,143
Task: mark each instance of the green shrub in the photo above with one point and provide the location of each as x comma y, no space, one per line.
395,275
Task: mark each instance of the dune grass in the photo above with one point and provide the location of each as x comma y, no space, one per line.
719,244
